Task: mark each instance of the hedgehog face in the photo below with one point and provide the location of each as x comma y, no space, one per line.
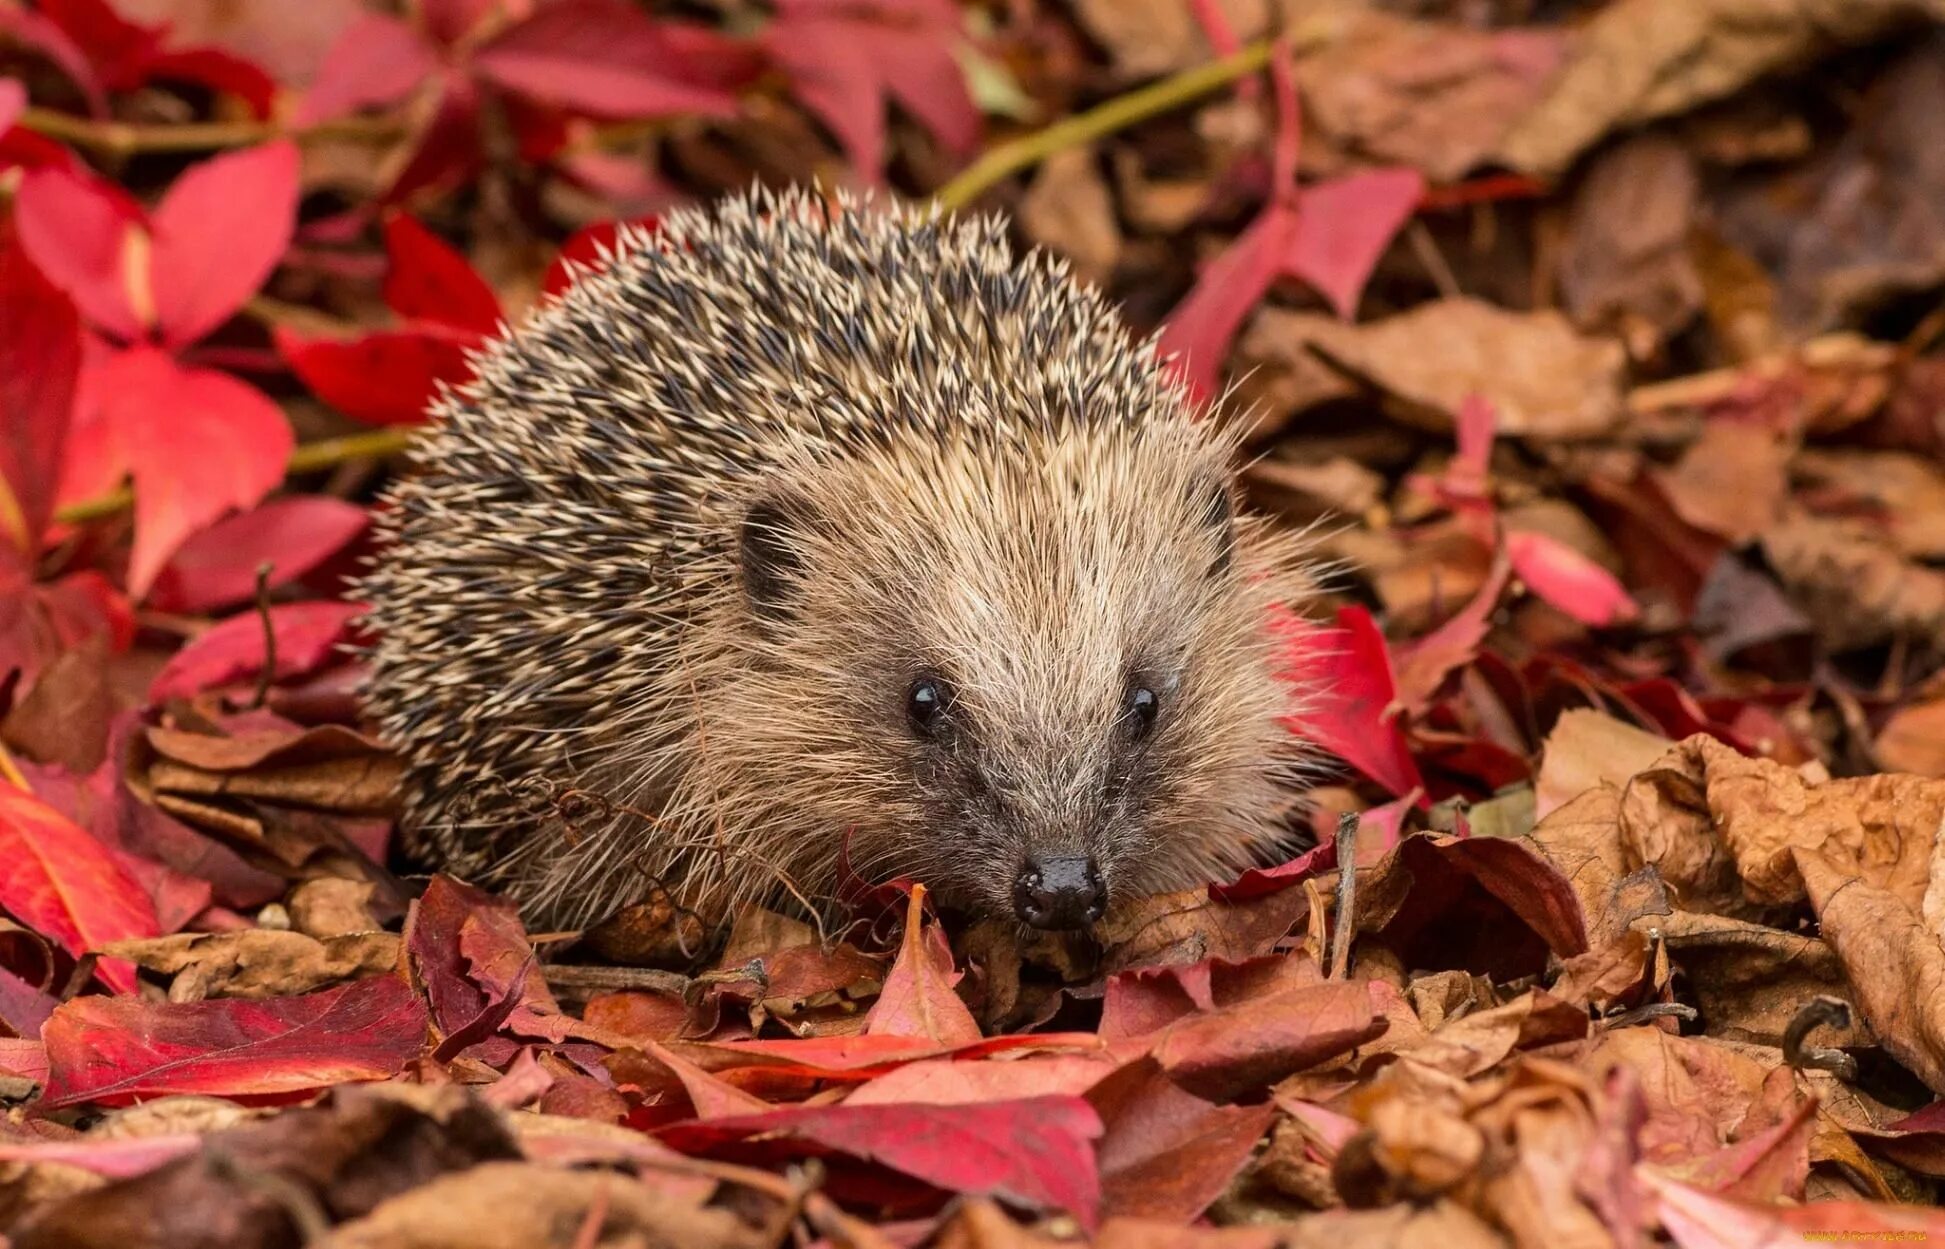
1014,678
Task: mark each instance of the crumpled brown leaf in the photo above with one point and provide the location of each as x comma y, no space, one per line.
258,962
1721,827
1627,267
1853,583
1588,748
1069,209
1544,379
1642,59
1731,482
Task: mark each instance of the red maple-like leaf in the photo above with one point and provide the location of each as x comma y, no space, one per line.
1355,714
307,635
65,885
390,377
103,51
218,567
584,249
40,362
1330,235
917,1000
847,58
114,1050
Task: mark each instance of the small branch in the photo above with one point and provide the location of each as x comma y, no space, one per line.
1104,119
120,138
1344,915
1816,1013
268,672
309,458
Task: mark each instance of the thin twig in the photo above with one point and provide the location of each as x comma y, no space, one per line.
312,456
1117,114
1345,916
1818,1011
268,672
11,770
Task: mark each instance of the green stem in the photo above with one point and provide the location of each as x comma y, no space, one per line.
309,458
1106,118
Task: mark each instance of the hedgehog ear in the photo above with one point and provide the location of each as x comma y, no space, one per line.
1219,514
769,553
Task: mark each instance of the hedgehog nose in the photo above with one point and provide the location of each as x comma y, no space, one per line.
1060,891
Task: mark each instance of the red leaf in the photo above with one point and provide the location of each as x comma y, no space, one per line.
307,636
429,281
35,31
452,20
845,58
917,1000
385,378
218,567
39,622
76,233
1261,1040
217,235
116,47
1343,229
1568,580
1355,696
604,58
1036,1151
584,248
197,442
67,886
1166,1153
378,59
1378,830
1200,328
40,362
13,101
117,1049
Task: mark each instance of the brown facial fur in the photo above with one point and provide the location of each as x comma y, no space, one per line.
961,469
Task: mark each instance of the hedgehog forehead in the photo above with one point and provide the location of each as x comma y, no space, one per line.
1038,582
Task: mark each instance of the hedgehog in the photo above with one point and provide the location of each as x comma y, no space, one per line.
817,542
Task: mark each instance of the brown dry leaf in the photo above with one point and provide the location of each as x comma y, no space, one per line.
1913,739
1730,482
1895,961
1474,1044
1305,491
1068,209
1190,926
332,906
258,962
1588,748
1542,1124
1853,583
1908,492
515,1205
1442,1225
1582,839
1627,268
1147,38
329,768
1436,96
1721,827
1749,981
1426,1150
1544,379
1642,59
65,717
1860,225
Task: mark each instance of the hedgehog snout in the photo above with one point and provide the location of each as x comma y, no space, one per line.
1060,891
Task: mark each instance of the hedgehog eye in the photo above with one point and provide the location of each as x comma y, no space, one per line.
926,702
1140,708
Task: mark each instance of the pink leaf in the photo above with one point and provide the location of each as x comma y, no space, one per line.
1378,830
1568,580
40,361
378,59
218,233
1355,718
1343,229
429,281
67,886
386,378
76,233
584,248
197,442
13,101
604,58
36,31
917,1000
1200,328
219,71
307,636
218,567
113,1050
1036,1151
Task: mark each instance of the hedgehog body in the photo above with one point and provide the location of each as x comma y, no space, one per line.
810,542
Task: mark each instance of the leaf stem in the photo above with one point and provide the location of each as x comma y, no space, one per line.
312,456
1110,116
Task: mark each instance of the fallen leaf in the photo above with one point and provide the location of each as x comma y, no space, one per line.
218,567
1588,748
258,962
217,234
1354,716
114,1049
307,635
1166,1154
1730,482
66,885
40,363
917,1000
